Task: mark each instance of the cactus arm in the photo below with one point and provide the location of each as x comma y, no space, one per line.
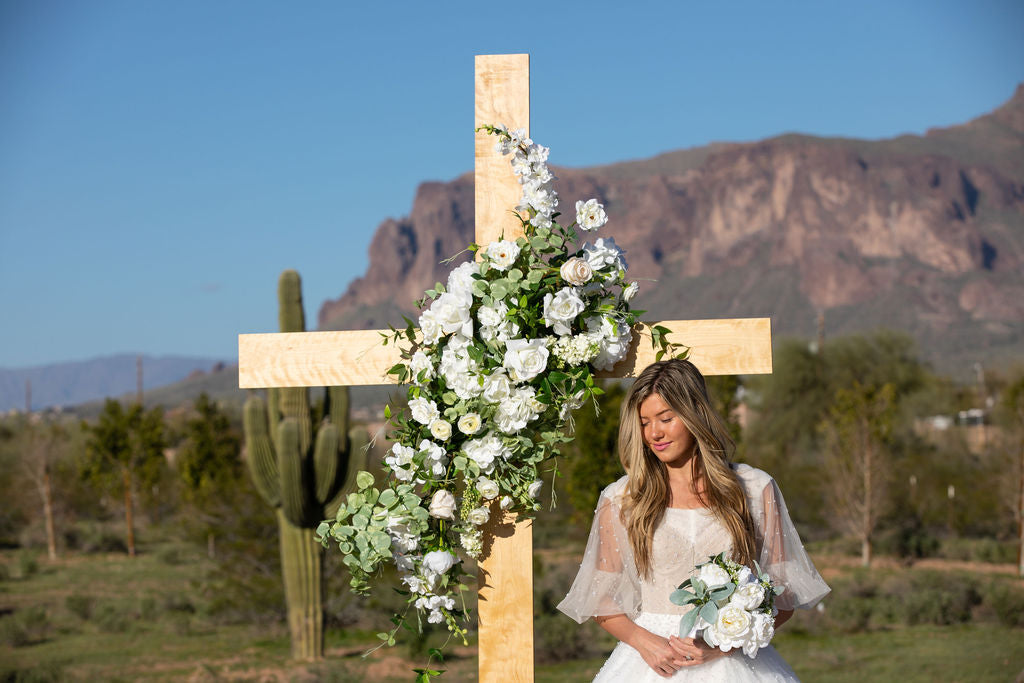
260,456
290,316
292,463
326,457
337,407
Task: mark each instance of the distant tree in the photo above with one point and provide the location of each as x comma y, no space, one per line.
44,445
595,454
858,460
125,449
1011,416
209,463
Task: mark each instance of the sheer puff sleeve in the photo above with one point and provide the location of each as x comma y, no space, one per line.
607,582
780,552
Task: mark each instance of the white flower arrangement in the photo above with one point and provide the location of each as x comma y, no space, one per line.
732,606
506,350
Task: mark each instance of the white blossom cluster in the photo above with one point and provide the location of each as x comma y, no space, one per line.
484,399
745,617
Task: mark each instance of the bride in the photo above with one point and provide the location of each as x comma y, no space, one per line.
681,502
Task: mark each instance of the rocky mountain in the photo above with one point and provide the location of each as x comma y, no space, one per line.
919,233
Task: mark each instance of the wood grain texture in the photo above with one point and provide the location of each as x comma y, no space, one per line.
502,97
505,607
505,600
741,346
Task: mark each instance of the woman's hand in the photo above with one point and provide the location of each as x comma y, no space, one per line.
658,652
694,651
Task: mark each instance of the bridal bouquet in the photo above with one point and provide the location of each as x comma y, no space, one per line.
505,350
732,606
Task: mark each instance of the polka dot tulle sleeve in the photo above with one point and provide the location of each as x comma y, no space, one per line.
781,553
607,582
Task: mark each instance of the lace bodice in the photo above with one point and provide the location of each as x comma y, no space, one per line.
608,583
683,539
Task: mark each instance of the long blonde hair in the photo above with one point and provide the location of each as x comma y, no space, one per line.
682,387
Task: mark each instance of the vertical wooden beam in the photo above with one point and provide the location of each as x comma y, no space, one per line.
506,569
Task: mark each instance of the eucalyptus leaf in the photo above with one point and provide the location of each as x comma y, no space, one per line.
687,623
387,498
364,479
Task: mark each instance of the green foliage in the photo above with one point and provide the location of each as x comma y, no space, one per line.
595,454
25,627
81,605
208,461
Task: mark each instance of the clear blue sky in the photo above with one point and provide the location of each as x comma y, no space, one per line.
162,162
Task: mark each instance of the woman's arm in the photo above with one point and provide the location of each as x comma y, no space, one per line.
655,650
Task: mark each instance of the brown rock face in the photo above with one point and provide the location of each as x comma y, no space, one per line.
924,234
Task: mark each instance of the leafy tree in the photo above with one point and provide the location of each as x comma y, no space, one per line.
595,454
125,450
209,464
1011,416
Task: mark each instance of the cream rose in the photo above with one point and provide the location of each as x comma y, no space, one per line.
442,505
749,596
469,423
440,430
479,516
576,271
731,629
487,488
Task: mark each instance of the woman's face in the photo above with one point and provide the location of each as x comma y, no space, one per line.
664,431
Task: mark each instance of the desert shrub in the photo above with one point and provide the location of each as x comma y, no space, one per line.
28,565
1007,602
40,673
110,619
25,627
148,610
909,539
978,550
179,603
80,605
171,556
94,537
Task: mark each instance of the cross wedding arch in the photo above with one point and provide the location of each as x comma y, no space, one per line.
352,358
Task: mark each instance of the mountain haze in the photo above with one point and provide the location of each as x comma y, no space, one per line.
918,233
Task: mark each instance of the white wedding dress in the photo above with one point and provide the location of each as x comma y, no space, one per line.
608,582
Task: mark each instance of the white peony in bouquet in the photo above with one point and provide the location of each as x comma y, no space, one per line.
732,606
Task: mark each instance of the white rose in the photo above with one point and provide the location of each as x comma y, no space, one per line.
487,488
534,489
749,596
442,505
469,423
629,292
485,450
506,502
479,516
590,215
423,410
502,254
761,633
561,309
576,271
525,358
492,316
604,253
713,575
452,314
429,327
438,561
440,430
497,387
731,629
460,280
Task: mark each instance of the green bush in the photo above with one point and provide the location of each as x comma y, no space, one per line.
978,550
94,537
28,565
1007,602
25,627
148,610
41,673
110,619
80,605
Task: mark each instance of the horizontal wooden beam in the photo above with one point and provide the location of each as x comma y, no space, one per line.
739,346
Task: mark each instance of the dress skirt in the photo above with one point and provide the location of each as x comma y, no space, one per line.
626,664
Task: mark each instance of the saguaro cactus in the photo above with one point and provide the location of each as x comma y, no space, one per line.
303,478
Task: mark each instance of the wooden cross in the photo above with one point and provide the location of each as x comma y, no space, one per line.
298,359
